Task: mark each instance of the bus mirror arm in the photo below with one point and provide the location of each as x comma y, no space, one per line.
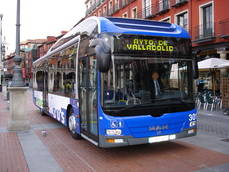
195,68
103,54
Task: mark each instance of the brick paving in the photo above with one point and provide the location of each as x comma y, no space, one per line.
11,155
68,159
80,155
173,156
4,112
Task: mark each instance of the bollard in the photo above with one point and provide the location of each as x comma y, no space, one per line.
18,115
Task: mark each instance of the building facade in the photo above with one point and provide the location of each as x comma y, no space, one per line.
30,50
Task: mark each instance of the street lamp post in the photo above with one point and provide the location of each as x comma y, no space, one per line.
1,16
2,57
17,73
18,114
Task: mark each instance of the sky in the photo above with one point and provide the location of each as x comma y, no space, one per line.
39,18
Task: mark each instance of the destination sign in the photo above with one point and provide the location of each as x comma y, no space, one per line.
148,45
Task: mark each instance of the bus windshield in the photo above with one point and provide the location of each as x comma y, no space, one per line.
137,82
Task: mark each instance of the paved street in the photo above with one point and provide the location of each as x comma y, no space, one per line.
30,151
213,123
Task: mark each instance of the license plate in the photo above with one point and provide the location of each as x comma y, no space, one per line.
161,138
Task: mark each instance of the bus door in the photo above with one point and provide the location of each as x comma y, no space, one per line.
88,97
45,92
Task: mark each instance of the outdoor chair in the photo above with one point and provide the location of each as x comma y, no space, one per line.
209,100
217,103
201,101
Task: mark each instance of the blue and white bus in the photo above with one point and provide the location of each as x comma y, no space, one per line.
118,82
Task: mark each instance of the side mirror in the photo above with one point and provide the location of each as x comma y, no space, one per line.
103,54
195,69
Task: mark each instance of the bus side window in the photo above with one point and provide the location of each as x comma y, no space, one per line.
69,67
62,76
40,80
34,80
57,81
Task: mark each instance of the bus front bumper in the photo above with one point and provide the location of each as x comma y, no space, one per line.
118,141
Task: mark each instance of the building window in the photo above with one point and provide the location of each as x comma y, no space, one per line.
93,4
167,19
147,8
207,21
125,15
100,13
134,13
182,20
124,3
163,5
105,11
116,5
97,3
110,7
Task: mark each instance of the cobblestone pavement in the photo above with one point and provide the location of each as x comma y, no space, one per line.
31,151
214,123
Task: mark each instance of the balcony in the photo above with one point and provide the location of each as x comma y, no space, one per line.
224,28
93,7
105,14
88,11
116,7
204,33
148,12
162,7
130,1
98,2
124,3
178,3
110,11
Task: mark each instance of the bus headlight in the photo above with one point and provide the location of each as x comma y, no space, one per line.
116,132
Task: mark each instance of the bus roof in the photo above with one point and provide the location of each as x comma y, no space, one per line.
119,26
141,27
122,26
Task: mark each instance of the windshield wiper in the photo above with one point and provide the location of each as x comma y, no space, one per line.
181,100
127,107
154,103
134,106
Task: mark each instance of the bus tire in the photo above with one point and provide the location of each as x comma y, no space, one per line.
70,123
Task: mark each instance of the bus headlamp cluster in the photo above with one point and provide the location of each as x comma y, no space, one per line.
115,140
116,132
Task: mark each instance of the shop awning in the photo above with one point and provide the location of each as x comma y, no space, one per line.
224,65
212,63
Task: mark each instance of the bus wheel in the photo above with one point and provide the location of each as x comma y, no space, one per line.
72,124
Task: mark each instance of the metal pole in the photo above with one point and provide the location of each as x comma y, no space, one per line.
1,16
17,74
